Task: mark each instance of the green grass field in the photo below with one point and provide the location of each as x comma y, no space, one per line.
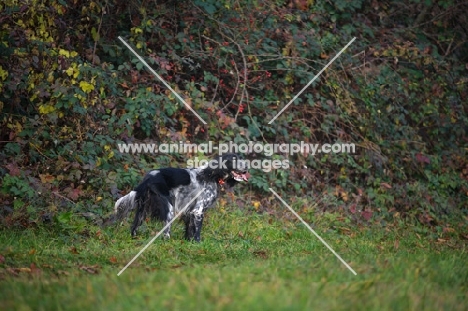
245,262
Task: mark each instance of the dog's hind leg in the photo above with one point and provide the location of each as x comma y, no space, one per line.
143,201
140,216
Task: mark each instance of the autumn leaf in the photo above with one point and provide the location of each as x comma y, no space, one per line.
90,269
256,204
34,269
339,191
69,71
448,230
73,193
64,53
367,215
421,158
260,253
323,55
46,178
385,185
67,54
86,86
13,271
13,169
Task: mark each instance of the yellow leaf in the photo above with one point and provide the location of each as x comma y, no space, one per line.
3,74
69,71
64,53
289,79
136,30
50,77
16,126
46,109
86,86
256,204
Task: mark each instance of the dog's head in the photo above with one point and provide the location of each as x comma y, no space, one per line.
229,169
235,167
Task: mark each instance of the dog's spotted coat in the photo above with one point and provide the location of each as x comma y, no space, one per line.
165,192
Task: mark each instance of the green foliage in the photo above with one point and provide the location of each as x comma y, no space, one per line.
70,92
20,189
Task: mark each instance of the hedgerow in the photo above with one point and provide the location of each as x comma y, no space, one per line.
71,91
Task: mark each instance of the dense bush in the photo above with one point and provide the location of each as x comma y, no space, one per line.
71,91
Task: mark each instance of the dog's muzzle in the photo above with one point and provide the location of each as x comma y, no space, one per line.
240,172
240,176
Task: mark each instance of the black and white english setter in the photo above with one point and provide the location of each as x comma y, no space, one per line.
164,192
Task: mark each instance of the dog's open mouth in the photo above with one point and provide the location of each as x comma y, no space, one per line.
240,176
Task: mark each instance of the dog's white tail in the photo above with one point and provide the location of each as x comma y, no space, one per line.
124,205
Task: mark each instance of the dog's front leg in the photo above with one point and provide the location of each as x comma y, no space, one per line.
193,225
198,226
169,217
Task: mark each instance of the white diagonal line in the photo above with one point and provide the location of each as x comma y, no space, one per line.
161,79
312,230
159,233
311,81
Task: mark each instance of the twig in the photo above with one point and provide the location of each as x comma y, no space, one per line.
244,90
61,196
235,67
97,34
236,88
449,10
